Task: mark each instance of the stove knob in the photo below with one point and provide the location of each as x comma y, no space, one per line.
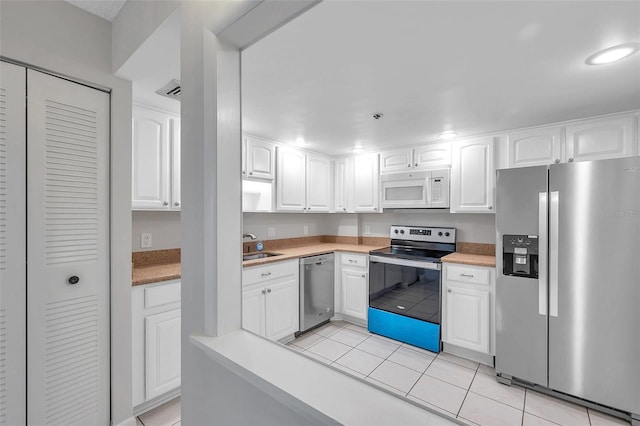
446,234
402,231
396,231
440,234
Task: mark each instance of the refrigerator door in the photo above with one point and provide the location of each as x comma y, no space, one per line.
521,303
594,324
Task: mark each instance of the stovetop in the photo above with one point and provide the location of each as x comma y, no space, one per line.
419,243
411,253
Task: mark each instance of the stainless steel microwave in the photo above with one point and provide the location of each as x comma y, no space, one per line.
415,190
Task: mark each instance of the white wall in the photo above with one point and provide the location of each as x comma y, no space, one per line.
473,228
59,37
164,227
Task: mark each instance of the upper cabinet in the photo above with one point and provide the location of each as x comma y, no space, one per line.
599,139
156,160
593,139
426,157
366,184
260,161
472,175
343,185
534,147
304,181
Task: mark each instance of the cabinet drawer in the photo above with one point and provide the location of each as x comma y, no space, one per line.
269,272
467,274
352,259
162,294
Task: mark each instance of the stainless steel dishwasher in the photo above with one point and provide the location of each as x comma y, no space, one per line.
316,290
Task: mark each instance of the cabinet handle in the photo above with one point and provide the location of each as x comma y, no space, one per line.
448,290
265,274
416,164
264,291
571,160
490,207
268,290
344,209
557,160
166,203
244,173
408,165
250,173
466,275
177,204
364,276
375,208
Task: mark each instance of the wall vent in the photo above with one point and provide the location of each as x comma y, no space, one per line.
171,90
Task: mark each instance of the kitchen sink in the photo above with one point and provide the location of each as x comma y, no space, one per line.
261,255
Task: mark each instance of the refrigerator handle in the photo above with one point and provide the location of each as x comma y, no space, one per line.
543,254
554,201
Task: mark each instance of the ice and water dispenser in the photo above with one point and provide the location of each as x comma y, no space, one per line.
520,255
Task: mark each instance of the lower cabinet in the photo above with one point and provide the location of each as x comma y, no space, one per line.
156,320
270,297
352,286
468,294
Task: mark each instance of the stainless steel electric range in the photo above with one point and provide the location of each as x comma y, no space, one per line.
405,284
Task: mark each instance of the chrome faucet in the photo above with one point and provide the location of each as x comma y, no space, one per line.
249,235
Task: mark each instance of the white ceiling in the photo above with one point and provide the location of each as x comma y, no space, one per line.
106,9
473,67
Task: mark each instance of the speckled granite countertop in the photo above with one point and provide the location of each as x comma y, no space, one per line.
311,250
154,266
473,254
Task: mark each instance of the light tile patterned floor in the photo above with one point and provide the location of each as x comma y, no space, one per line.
454,386
446,383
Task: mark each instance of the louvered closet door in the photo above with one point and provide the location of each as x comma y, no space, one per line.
67,228
13,332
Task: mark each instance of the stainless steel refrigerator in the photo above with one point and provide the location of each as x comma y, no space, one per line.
568,280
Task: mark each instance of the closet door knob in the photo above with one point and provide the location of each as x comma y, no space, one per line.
73,280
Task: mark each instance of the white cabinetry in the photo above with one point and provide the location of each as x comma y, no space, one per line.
604,138
270,299
260,159
366,183
343,185
473,176
304,181
585,140
156,319
468,304
156,160
352,286
426,157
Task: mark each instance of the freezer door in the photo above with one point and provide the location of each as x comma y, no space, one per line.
594,324
521,303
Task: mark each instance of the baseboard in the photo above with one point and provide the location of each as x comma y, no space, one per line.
349,318
480,357
131,421
155,402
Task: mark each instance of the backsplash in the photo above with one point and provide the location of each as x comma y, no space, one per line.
164,227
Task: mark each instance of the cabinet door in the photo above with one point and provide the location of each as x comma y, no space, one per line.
253,309
150,179
291,180
467,318
472,176
534,147
432,156
340,199
282,304
260,159
319,183
162,353
600,139
399,160
176,193
355,295
365,183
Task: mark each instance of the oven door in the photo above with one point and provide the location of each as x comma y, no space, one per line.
405,287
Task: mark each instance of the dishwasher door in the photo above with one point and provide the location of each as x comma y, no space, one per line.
316,290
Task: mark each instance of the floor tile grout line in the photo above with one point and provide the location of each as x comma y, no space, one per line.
524,404
465,395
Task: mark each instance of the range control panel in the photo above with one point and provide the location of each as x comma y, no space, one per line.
423,233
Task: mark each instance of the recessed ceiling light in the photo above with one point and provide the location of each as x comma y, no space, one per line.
612,54
357,149
448,135
300,141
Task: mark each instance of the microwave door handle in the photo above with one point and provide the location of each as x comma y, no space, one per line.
428,190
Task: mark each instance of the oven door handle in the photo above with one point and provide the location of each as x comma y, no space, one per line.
405,262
